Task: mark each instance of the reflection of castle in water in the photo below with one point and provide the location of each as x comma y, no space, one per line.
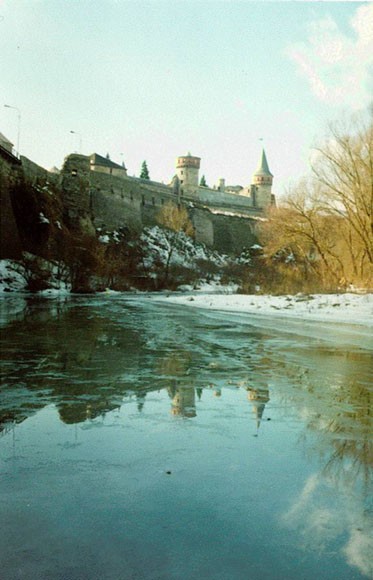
258,398
183,402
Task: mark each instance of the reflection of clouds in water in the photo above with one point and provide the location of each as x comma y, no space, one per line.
318,524
359,551
301,504
315,523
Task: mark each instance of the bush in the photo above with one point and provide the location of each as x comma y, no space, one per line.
34,271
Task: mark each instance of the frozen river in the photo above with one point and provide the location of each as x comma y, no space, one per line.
151,441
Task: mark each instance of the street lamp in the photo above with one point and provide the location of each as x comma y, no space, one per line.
19,124
80,140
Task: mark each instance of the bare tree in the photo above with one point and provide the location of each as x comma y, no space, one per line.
175,219
344,172
326,221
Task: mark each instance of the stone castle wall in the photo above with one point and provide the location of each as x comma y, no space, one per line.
95,200
111,202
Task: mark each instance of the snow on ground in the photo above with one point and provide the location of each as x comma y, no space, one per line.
10,280
212,287
185,252
341,308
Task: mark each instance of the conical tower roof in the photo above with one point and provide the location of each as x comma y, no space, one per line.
263,168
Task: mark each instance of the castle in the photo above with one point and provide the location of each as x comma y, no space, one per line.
98,194
186,183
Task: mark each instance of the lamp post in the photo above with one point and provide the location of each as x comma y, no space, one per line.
80,140
18,124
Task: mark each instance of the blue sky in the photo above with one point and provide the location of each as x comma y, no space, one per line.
153,80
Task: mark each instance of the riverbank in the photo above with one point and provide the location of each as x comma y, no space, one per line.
348,308
345,308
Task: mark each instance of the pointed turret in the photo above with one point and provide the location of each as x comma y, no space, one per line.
263,168
262,180
262,174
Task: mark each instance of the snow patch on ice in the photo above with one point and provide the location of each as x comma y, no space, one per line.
341,308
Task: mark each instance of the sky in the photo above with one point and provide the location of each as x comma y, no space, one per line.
152,80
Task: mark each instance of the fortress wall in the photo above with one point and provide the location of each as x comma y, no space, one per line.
232,234
110,211
75,185
119,201
32,171
203,226
220,198
223,233
110,202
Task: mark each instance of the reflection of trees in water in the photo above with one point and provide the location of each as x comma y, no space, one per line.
348,425
335,400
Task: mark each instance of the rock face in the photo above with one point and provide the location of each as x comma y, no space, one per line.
10,243
76,191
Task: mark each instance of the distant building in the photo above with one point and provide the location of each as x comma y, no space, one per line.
105,165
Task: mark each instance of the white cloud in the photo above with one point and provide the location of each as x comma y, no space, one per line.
339,68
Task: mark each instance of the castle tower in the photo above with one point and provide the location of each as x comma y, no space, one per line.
262,180
187,169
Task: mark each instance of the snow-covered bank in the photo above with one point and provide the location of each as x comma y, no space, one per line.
13,278
341,308
10,279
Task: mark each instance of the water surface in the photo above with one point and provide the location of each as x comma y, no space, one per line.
144,441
